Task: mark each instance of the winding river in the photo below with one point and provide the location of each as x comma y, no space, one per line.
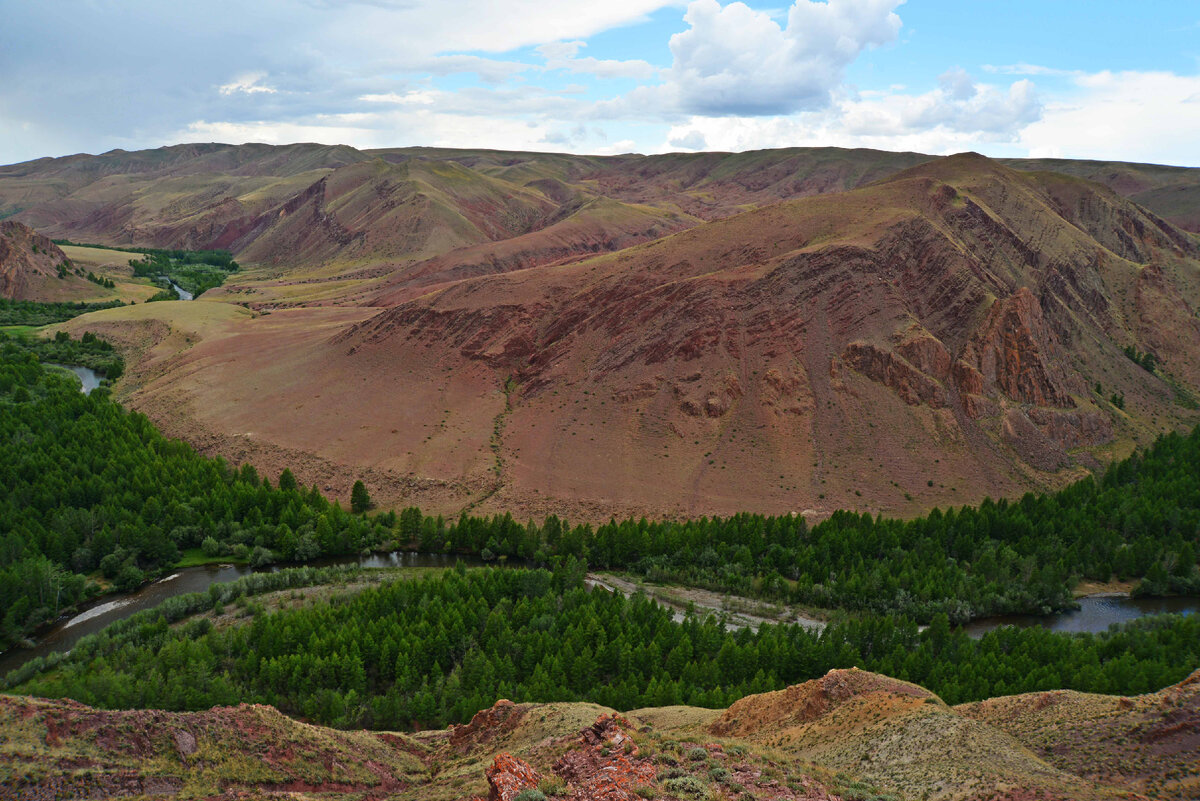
88,378
111,608
180,291
1096,613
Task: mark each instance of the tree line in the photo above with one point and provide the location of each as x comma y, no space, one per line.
34,313
1140,521
426,652
194,271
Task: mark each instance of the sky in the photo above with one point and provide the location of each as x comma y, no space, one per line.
1041,78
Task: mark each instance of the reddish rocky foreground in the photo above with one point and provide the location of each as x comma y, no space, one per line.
604,763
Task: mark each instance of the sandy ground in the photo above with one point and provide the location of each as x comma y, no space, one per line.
740,612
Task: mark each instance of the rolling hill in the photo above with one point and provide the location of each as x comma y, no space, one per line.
671,335
848,735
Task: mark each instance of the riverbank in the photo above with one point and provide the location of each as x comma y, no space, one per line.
1104,589
738,612
103,609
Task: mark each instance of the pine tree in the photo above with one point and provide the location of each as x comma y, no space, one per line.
360,499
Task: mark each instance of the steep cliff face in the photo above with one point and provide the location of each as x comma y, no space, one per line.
26,260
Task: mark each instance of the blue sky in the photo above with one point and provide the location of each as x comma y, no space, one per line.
1064,78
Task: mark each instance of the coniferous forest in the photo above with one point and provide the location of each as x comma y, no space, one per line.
97,498
426,652
93,487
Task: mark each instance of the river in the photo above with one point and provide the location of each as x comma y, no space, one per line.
88,377
180,291
111,608
1095,613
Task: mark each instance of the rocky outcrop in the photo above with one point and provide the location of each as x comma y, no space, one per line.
894,371
1017,353
607,765
24,256
507,776
486,725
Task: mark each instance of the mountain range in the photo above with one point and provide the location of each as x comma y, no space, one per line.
780,331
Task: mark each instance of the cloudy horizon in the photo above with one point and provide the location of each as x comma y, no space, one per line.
1018,79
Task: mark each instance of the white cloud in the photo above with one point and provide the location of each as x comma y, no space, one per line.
247,84
957,105
1127,116
1028,69
617,148
692,140
414,98
381,129
489,70
564,56
734,60
959,115
480,25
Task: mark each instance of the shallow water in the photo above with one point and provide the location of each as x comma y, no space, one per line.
88,377
183,293
1096,613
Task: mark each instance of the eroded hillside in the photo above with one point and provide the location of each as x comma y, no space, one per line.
532,333
849,734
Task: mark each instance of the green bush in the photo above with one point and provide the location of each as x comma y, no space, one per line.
687,787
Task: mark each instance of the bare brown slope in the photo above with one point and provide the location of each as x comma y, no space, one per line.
1149,743
63,749
946,326
1173,193
931,339
904,739
335,224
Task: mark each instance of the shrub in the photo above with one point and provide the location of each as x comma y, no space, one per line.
697,754
687,787
530,794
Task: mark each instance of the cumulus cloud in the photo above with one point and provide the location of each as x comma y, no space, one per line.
958,104
381,129
736,61
960,114
139,71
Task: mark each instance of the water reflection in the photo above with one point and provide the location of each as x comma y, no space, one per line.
1095,613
